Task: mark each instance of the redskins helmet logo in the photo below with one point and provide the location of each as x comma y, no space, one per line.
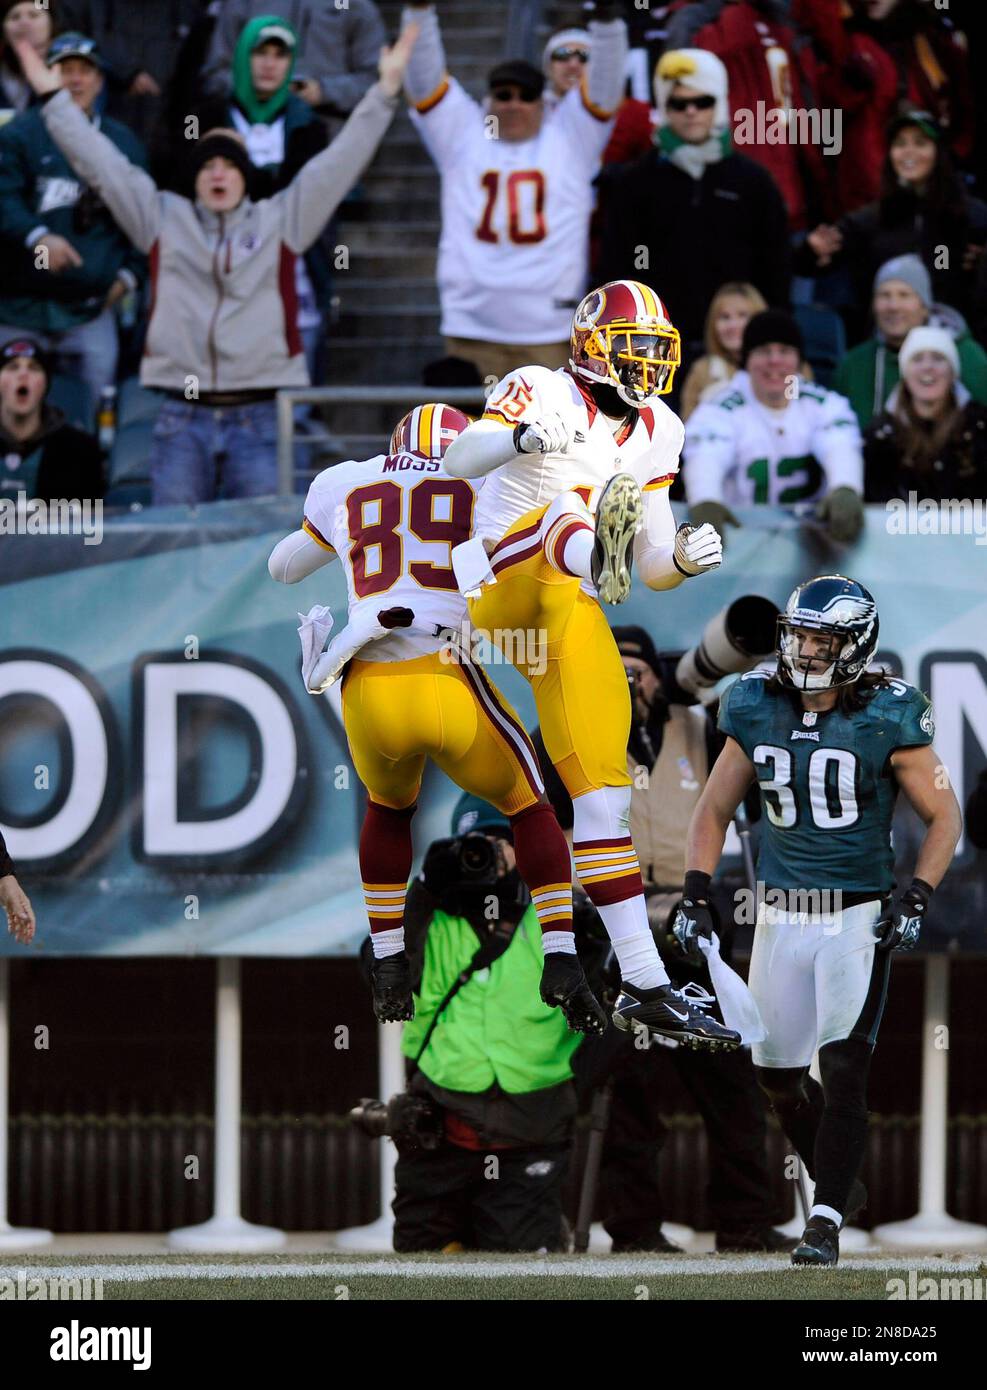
590,310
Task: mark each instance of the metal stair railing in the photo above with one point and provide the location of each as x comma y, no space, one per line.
412,393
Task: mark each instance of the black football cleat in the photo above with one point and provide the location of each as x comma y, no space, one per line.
618,519
390,979
820,1243
564,986
675,1014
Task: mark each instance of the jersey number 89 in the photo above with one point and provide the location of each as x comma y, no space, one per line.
379,532
832,787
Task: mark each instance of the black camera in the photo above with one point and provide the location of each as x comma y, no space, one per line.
465,860
413,1122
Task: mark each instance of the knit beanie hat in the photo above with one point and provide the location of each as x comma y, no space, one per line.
702,71
929,339
26,346
563,38
635,641
471,816
912,271
221,143
771,326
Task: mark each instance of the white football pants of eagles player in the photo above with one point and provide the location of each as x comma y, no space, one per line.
817,979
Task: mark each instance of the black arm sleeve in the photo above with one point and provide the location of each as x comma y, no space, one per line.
6,863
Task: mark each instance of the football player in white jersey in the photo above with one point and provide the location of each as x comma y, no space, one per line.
409,690
579,462
771,437
517,195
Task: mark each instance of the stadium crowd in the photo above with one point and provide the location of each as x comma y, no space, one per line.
812,157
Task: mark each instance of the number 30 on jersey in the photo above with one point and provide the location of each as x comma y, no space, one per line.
832,787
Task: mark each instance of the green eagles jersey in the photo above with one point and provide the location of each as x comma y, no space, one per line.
826,784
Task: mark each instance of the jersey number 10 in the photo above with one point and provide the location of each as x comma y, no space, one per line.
521,236
380,534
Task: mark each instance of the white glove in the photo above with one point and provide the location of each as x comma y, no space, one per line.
320,669
316,626
697,548
549,434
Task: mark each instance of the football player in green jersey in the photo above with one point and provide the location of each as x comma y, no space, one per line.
830,745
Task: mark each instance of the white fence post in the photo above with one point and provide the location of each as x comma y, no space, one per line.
226,1229
933,1228
378,1235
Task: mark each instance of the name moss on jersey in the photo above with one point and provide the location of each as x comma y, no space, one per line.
648,450
739,452
393,521
825,780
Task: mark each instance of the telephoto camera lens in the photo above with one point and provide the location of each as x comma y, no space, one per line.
477,857
370,1116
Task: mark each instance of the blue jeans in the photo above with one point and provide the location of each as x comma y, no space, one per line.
202,453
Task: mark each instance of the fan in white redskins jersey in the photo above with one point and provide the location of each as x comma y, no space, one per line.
579,462
517,193
409,693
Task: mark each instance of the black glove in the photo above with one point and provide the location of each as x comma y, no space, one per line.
693,917
900,930
717,514
842,513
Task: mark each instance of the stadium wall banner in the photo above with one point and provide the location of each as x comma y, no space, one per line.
168,787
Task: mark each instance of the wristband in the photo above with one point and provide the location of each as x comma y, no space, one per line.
697,885
918,888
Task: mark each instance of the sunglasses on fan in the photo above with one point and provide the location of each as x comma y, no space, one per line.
562,55
506,94
683,103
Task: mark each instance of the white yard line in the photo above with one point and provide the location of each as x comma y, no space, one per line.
591,1268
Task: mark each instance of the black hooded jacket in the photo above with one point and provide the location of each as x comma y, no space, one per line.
70,464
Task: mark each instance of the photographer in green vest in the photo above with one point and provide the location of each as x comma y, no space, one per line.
487,1058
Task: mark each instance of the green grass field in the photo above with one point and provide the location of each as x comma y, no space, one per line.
337,1276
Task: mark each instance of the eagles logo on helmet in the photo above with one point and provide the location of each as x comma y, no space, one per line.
428,430
835,607
623,337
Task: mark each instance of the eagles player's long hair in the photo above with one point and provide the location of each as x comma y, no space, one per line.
850,698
